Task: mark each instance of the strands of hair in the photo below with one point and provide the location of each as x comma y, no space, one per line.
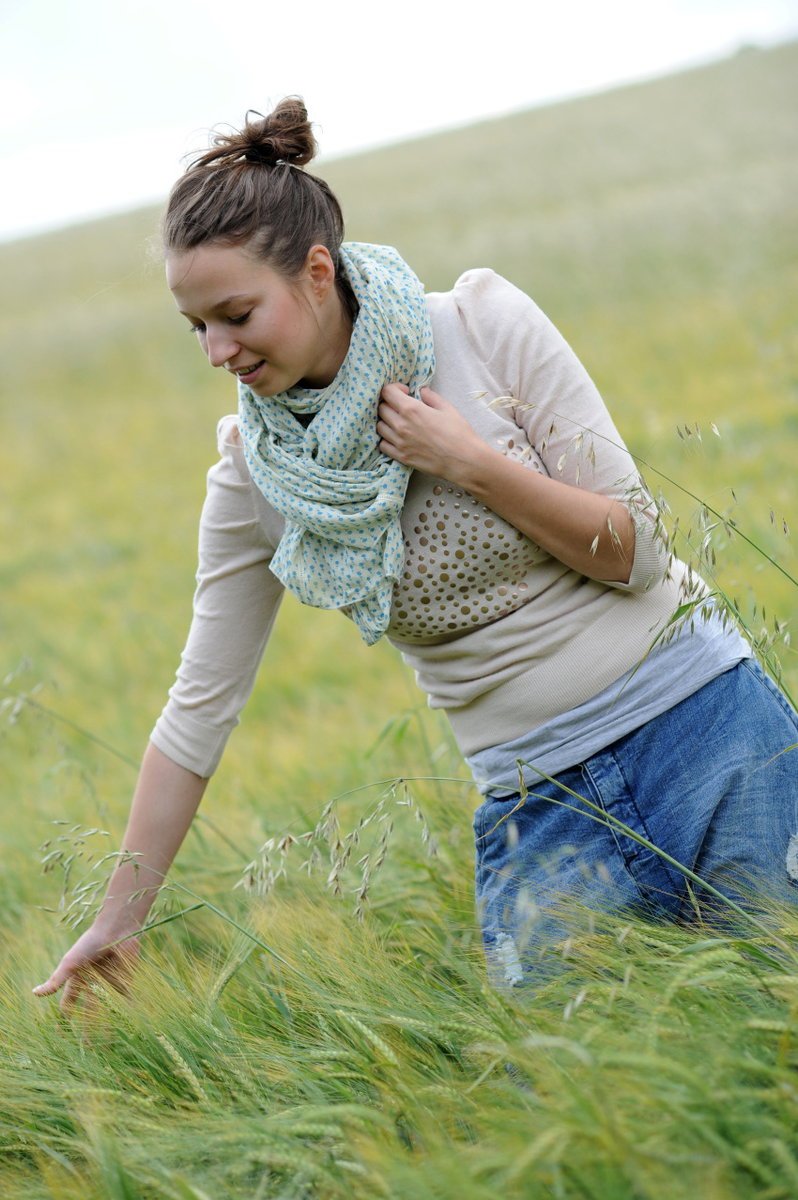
241,192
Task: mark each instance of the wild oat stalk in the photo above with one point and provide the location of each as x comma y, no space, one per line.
70,852
262,874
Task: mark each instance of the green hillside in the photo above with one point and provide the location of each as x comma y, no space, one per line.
656,225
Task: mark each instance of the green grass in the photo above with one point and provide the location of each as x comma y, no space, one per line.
655,225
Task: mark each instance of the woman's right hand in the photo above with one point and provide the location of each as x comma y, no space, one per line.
89,959
164,804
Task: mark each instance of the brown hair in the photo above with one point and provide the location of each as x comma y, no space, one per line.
250,187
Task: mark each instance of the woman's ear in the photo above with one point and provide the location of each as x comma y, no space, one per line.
320,271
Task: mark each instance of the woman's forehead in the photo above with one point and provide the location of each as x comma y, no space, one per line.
214,267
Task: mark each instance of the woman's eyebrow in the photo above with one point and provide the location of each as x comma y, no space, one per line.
222,303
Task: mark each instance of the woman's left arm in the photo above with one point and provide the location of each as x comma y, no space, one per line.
590,532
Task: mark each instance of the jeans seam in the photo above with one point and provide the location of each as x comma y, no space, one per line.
644,889
772,688
589,777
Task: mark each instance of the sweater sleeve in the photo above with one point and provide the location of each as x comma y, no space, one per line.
235,603
553,399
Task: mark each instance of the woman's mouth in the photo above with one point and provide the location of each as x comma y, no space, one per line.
247,374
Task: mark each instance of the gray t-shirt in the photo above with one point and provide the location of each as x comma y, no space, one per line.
671,672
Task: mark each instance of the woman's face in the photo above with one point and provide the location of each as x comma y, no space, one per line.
268,331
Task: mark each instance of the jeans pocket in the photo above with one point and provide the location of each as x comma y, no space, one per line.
658,886
491,814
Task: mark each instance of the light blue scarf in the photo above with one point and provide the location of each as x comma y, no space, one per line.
341,498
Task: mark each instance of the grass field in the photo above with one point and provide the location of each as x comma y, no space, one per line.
276,1046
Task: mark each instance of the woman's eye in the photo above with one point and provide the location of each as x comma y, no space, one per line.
242,320
198,328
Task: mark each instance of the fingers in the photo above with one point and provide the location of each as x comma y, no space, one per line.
395,394
72,982
56,980
76,971
432,399
78,988
72,990
118,968
70,979
46,989
397,402
415,429
398,394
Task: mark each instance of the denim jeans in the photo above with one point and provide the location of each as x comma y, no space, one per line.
711,782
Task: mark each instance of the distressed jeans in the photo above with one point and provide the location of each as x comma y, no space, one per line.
712,782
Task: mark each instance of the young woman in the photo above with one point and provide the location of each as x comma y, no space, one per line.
442,469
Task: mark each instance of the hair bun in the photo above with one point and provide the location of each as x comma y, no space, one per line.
284,135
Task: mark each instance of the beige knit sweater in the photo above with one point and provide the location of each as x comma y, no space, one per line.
500,634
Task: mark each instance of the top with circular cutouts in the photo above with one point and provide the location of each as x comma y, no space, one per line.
464,565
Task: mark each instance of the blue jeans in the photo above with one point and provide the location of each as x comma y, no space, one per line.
711,782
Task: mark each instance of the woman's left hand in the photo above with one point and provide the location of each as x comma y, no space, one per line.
592,533
428,434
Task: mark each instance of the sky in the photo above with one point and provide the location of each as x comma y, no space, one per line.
101,100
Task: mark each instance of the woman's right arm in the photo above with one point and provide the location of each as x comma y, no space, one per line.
235,603
164,804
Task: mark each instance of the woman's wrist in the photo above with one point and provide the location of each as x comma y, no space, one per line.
119,912
118,926
124,909
473,470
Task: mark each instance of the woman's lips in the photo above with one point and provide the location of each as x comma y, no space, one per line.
249,373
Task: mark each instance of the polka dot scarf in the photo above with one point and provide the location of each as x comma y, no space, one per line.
341,498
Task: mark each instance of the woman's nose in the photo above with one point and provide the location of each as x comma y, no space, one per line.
219,347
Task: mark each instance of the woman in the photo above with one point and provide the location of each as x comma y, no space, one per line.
492,525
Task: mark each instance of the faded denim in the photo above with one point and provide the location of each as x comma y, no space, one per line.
711,782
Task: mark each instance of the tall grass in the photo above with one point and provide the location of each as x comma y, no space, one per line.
275,1044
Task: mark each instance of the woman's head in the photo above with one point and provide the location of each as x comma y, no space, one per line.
252,251
249,190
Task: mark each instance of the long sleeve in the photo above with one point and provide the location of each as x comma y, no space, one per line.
235,603
554,400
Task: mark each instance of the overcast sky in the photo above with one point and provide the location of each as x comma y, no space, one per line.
99,99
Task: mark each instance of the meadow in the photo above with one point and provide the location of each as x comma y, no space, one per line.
276,1044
